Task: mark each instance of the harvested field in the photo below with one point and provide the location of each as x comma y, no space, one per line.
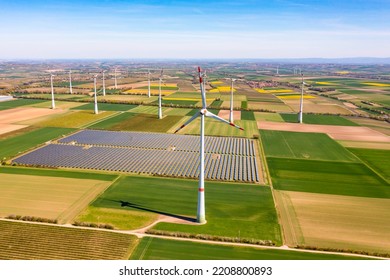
25,113
226,113
26,241
105,107
64,105
46,197
353,133
333,221
86,89
128,98
381,126
6,128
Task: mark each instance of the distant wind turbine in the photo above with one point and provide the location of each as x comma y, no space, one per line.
104,83
53,105
231,100
201,211
94,84
148,83
116,85
300,115
159,96
70,81
277,70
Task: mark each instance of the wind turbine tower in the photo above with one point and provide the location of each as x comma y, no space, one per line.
231,100
53,105
70,81
149,83
277,70
116,85
300,115
104,83
94,84
201,211
159,96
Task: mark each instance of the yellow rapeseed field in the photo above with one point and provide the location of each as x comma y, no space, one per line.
326,83
295,96
225,89
187,99
342,72
216,83
377,84
261,90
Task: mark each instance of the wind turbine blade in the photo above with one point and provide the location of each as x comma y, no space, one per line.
204,105
187,122
211,115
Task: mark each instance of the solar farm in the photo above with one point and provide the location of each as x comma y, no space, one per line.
227,159
125,182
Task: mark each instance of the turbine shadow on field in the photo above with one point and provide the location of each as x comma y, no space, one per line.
140,207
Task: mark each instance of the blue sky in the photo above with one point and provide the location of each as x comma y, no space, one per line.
194,29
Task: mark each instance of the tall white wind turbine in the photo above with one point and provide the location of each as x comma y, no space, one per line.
70,81
116,85
53,105
94,84
201,211
104,83
300,115
159,96
149,83
231,100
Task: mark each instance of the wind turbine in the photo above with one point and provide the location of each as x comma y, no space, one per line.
277,70
201,211
104,84
94,84
148,83
53,105
116,85
231,100
300,115
159,96
70,81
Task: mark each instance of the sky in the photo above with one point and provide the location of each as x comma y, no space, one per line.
38,29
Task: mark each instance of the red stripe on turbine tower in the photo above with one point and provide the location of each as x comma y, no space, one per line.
201,190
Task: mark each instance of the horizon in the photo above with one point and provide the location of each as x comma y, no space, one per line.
277,29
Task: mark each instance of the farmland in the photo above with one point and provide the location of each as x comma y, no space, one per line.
19,143
333,221
25,241
314,146
177,198
47,197
163,249
329,176
340,178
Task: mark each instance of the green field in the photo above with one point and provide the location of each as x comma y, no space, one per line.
74,119
178,112
15,145
57,173
18,102
217,128
269,117
232,209
177,102
106,107
379,160
110,122
146,122
341,178
25,241
163,249
216,103
318,119
247,116
302,145
153,110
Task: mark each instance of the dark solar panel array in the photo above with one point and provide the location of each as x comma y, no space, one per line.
219,145
151,158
